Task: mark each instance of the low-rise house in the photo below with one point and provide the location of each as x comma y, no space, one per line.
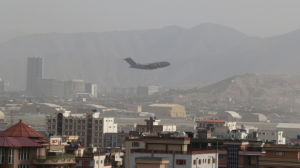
279,156
23,147
152,126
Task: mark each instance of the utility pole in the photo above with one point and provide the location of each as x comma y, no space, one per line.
11,118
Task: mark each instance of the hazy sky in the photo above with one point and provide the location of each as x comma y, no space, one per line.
253,17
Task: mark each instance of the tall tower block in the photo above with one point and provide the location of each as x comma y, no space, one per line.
35,70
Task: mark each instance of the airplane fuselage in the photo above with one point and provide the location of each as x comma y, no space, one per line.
151,66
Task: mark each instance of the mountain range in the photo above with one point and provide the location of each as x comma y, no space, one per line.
205,53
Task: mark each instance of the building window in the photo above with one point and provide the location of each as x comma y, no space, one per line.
70,133
53,126
194,162
66,127
180,162
49,126
70,127
252,158
54,120
199,162
100,122
208,161
2,155
85,163
10,156
135,144
83,127
96,134
78,133
96,121
23,166
83,121
96,127
49,120
66,120
79,121
83,134
79,127
24,154
66,133
279,153
214,160
221,156
71,121
95,140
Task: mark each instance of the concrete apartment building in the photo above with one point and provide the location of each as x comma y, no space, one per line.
152,126
50,88
73,87
89,127
171,152
167,110
280,156
114,139
132,142
240,153
35,69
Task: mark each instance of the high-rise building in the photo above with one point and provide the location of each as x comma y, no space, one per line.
91,89
89,127
50,88
4,86
147,90
73,87
35,68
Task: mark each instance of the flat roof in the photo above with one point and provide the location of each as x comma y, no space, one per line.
288,125
164,105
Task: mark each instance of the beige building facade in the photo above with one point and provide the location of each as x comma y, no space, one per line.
167,110
89,127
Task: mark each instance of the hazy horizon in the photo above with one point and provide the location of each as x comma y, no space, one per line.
254,18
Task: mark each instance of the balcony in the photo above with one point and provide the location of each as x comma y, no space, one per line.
251,153
189,152
278,159
54,160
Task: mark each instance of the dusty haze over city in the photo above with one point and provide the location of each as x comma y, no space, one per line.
187,83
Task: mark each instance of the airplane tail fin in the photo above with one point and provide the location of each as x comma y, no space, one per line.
130,61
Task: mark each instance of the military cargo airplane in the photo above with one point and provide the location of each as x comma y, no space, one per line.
146,66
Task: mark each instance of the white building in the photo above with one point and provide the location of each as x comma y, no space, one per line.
218,128
271,136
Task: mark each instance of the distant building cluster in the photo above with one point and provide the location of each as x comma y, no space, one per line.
139,90
36,85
